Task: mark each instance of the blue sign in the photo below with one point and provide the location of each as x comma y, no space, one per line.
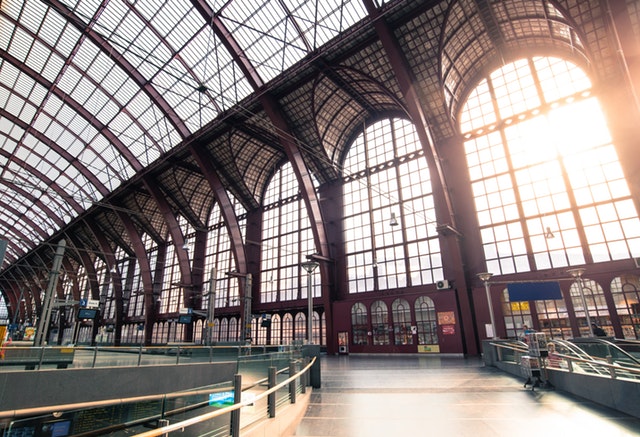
526,291
83,303
221,399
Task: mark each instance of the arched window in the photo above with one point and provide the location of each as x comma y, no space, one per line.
596,305
287,239
287,329
276,329
234,327
515,314
626,295
316,328
401,313
548,187
220,258
387,198
171,297
553,318
300,333
426,323
224,330
380,323
359,324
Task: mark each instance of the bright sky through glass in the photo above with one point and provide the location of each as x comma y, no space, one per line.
548,186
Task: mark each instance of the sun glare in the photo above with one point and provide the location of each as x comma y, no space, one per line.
559,160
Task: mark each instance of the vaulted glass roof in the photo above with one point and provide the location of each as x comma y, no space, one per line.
92,92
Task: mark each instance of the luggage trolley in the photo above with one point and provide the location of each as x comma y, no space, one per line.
531,364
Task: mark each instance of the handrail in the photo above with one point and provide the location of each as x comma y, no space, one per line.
212,415
611,346
12,414
510,346
72,355
612,368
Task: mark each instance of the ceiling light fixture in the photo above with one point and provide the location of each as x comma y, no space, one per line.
394,220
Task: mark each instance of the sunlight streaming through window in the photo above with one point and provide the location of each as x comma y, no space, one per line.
548,187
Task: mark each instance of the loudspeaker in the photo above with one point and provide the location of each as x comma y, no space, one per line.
443,285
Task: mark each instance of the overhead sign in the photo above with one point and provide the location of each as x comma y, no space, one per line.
93,303
526,291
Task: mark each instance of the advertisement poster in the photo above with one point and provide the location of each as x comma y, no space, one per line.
446,318
448,329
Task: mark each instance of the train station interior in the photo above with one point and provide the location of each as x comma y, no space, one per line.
374,177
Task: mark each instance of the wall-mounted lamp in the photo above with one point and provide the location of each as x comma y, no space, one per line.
394,220
485,277
310,266
577,273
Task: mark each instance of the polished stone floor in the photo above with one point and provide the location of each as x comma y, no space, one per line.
371,396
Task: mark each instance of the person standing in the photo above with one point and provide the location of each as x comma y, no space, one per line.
598,331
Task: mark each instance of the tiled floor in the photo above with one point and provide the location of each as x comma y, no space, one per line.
393,396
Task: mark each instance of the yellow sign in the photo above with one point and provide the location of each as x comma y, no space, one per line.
428,349
520,306
29,333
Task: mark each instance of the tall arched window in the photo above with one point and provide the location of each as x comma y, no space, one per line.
220,258
224,330
515,314
548,186
389,226
426,322
596,305
401,313
234,329
626,295
553,317
359,324
276,329
287,328
380,323
286,240
171,297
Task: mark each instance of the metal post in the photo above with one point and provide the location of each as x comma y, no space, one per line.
577,275
16,312
246,315
304,377
247,308
47,304
292,384
271,397
484,277
211,307
237,398
310,266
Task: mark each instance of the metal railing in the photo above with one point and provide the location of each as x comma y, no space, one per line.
258,400
18,358
269,395
569,357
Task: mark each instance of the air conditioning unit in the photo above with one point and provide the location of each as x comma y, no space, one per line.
443,285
